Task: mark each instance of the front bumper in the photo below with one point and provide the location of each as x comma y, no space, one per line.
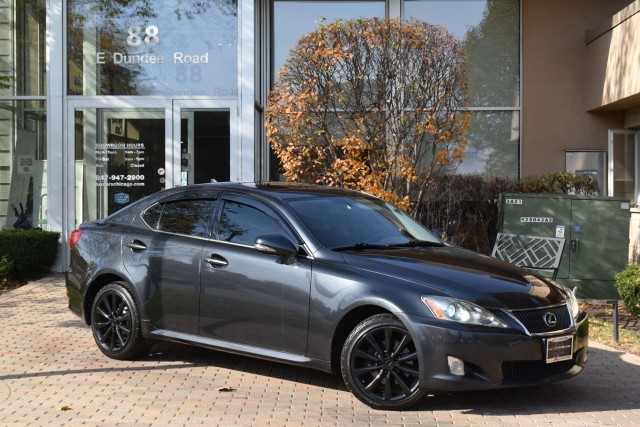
492,358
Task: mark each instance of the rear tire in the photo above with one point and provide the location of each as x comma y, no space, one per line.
380,364
115,323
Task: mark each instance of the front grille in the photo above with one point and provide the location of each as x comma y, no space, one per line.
534,369
534,321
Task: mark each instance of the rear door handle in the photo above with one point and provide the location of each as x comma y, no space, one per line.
216,260
137,245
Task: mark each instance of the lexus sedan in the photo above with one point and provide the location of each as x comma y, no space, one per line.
327,278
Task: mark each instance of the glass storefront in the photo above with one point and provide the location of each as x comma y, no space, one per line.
23,115
293,19
120,158
489,32
123,154
23,48
143,95
167,76
152,48
23,164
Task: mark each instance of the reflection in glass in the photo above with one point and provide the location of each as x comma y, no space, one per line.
624,166
120,158
23,164
489,31
190,217
340,222
152,48
494,144
240,223
293,19
22,51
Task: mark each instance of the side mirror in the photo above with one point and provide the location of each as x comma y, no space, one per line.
275,244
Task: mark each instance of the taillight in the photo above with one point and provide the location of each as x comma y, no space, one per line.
73,237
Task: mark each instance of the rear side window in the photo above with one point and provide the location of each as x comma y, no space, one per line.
241,223
187,217
152,215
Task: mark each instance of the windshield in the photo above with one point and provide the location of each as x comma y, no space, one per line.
341,222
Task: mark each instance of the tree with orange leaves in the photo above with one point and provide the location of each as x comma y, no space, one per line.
374,105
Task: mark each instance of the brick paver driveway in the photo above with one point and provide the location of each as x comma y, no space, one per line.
52,373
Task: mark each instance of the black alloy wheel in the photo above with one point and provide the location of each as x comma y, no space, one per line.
380,364
115,323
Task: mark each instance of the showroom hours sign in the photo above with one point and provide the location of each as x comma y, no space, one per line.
120,164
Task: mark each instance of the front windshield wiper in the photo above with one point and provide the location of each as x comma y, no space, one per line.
360,246
416,243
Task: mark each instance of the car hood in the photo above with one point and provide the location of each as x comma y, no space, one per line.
461,273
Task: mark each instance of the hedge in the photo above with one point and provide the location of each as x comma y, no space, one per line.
25,253
464,208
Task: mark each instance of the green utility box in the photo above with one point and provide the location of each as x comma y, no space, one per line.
595,229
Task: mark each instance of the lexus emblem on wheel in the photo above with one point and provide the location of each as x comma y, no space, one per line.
550,319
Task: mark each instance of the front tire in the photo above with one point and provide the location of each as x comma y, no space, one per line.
115,323
380,364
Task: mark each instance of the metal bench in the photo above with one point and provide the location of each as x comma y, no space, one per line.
540,254
531,252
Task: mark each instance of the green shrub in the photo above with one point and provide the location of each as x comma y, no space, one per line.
628,284
557,183
6,267
25,253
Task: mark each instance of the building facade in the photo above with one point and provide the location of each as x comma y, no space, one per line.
104,102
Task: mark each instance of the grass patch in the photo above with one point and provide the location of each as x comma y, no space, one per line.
601,331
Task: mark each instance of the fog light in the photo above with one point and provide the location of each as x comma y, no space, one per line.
456,366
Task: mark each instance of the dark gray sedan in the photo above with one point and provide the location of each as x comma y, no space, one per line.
331,279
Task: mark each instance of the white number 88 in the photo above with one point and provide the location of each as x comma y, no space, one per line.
151,36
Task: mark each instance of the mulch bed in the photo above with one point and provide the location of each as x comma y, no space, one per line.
625,320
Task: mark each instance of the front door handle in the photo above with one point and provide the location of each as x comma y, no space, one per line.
216,261
137,245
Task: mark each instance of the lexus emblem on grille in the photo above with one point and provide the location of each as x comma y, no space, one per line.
550,319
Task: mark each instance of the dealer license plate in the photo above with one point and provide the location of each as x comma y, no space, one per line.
559,349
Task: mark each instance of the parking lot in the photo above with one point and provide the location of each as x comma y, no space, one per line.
52,373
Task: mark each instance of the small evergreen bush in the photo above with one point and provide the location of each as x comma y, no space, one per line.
24,253
628,284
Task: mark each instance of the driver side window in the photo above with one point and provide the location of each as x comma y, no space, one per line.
241,223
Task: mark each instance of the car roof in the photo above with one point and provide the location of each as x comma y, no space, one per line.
274,190
280,190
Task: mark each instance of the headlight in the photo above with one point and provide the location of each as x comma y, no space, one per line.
456,310
572,302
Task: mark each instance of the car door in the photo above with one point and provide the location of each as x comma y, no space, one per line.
163,253
249,297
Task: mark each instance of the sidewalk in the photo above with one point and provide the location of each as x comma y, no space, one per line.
52,373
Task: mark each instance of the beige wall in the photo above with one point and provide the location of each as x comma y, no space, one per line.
613,61
554,59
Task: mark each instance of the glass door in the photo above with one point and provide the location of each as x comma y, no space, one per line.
623,164
205,133
124,150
